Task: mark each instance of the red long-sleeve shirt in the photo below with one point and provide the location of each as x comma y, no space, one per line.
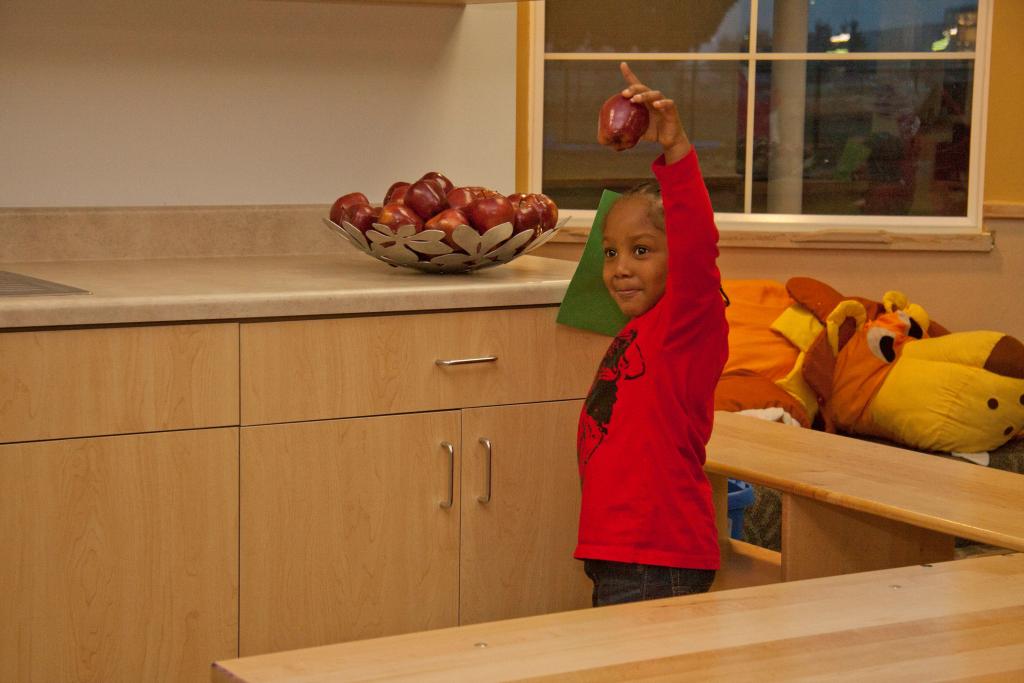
649,413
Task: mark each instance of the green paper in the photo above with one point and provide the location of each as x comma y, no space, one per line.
587,303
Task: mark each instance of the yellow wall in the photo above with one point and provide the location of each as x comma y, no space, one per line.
1005,149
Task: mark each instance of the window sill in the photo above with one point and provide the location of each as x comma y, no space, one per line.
876,240
873,240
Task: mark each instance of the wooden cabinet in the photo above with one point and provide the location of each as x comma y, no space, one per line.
348,531
120,557
280,484
344,535
520,509
120,553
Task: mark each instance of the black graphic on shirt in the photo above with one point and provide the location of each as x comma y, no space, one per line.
623,360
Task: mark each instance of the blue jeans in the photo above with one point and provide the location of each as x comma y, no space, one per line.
616,583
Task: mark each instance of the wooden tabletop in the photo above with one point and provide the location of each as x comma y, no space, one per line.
950,620
948,496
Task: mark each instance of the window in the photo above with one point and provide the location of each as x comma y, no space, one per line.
807,114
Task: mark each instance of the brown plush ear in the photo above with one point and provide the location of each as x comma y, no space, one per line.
936,330
819,368
821,299
814,295
1007,358
846,332
873,309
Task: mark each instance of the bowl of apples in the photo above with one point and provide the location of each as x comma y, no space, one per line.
434,226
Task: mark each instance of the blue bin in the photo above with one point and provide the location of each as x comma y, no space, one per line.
741,496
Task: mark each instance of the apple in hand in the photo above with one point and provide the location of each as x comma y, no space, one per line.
364,216
447,221
396,192
446,185
621,123
344,205
426,197
396,215
489,210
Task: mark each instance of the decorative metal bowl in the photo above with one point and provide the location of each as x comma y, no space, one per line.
427,250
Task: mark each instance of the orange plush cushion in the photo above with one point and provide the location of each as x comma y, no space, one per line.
753,346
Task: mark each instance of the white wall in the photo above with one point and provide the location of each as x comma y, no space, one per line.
205,102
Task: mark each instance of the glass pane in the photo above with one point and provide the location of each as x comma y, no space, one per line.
648,26
866,25
710,97
880,138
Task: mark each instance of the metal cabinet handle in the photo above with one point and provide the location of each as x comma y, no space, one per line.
451,474
486,498
466,361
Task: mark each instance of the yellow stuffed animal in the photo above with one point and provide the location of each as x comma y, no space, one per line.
875,368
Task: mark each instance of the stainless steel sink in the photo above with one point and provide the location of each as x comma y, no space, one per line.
16,284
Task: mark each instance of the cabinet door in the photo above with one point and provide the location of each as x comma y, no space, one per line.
120,557
517,546
344,535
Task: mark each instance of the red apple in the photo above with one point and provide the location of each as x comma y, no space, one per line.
344,205
396,192
548,212
621,123
533,211
527,213
364,216
447,221
446,185
426,197
487,211
395,215
461,197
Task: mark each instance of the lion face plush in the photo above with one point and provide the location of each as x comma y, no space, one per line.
959,392
867,367
934,394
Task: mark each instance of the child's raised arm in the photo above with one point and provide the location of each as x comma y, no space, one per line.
693,277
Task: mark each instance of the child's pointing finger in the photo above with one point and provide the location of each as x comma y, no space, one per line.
628,74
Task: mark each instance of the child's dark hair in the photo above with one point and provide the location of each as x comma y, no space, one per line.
650,191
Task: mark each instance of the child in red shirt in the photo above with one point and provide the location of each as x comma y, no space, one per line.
647,523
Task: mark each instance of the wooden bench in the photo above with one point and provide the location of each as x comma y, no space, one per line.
850,505
954,619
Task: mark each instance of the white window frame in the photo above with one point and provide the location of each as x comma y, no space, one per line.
834,229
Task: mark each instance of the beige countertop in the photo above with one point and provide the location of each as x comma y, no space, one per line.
225,288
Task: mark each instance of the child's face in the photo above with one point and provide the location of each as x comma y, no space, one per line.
635,257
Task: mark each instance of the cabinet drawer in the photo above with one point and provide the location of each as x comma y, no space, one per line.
85,382
344,367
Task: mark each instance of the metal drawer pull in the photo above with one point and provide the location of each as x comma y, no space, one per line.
486,498
466,361
451,474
